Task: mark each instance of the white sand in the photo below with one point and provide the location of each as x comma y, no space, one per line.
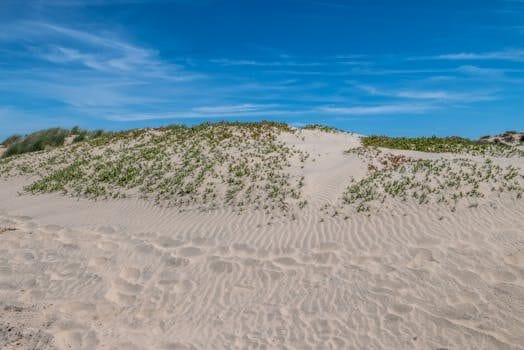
124,274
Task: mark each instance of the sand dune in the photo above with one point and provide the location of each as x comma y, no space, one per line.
129,274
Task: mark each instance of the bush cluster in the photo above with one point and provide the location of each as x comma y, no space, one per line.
45,139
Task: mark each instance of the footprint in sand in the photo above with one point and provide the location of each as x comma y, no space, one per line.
287,261
52,228
77,339
106,230
168,242
190,252
221,266
422,258
108,245
123,291
174,261
130,274
168,277
243,248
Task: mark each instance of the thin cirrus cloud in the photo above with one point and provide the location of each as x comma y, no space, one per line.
231,62
100,3
516,55
379,109
82,69
62,45
233,109
323,62
211,112
436,95
265,111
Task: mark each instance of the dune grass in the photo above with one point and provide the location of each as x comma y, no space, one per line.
10,140
45,139
442,145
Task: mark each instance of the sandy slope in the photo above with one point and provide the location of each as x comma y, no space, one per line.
125,274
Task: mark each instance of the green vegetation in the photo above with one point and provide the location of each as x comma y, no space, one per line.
205,166
321,127
438,181
10,140
442,145
44,139
242,165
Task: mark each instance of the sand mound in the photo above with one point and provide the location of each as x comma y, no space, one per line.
131,273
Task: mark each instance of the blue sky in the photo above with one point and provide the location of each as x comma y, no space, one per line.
375,67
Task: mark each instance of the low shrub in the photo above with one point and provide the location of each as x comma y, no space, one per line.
10,140
45,139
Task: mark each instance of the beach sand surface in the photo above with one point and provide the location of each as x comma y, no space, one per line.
128,274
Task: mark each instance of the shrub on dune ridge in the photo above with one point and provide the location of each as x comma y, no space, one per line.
45,139
10,140
37,141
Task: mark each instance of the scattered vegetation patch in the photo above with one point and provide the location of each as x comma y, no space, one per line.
442,145
432,181
321,127
205,166
45,139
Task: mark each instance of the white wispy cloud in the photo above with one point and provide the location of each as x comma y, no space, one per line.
84,3
90,49
233,62
233,109
89,71
378,109
504,55
212,112
437,95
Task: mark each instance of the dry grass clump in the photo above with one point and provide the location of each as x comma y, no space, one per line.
443,145
6,229
432,181
206,166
